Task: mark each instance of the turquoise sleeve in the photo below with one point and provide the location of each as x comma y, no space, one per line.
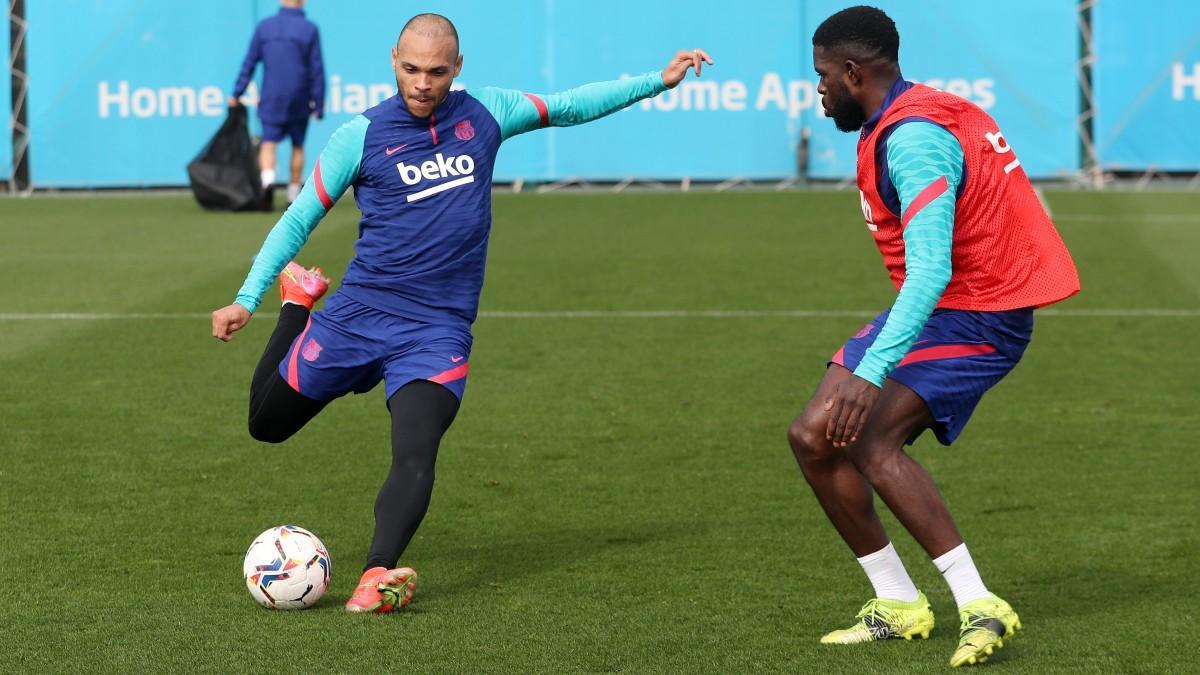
517,112
919,156
335,171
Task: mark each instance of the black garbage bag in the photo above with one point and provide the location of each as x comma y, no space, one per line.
225,175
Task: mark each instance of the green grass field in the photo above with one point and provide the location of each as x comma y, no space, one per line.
617,493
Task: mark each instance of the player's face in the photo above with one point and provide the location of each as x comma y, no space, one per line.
425,68
834,87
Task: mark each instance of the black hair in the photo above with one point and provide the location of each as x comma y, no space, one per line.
866,30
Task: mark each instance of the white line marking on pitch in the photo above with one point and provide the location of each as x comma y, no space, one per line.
625,314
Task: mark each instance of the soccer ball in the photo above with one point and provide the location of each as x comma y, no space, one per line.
287,567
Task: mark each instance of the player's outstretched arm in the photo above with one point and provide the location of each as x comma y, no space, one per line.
517,112
335,171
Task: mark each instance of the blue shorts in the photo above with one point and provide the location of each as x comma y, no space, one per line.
296,130
348,347
957,356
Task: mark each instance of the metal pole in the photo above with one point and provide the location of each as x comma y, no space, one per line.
1089,164
19,182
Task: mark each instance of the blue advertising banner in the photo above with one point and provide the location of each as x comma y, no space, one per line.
143,85
1147,84
1015,59
126,92
739,119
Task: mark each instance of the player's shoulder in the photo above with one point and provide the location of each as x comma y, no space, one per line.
385,108
473,101
934,102
490,92
912,133
473,95
495,99
921,140
352,133
916,130
919,92
486,90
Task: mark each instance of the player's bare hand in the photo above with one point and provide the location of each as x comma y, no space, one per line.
228,320
849,406
684,60
233,102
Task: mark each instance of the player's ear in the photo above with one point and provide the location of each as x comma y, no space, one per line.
853,73
395,58
458,65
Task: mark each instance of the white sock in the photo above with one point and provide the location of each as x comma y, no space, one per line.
293,191
959,569
268,177
887,574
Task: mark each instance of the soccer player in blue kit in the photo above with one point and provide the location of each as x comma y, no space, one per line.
421,166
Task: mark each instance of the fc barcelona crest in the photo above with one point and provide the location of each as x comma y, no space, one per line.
463,131
311,350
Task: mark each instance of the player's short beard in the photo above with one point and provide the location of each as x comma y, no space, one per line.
847,114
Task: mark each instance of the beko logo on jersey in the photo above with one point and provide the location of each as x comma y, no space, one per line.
438,167
459,167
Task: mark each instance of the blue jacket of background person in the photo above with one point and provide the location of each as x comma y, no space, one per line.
293,84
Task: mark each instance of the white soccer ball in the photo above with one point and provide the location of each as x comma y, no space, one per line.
287,567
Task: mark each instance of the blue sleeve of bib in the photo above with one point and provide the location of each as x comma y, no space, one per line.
924,160
335,171
517,112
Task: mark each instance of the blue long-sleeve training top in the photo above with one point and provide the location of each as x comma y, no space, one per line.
424,187
912,154
918,153
293,85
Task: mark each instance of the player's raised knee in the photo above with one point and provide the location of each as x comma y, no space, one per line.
806,435
267,432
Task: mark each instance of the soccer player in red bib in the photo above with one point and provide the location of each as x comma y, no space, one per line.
972,253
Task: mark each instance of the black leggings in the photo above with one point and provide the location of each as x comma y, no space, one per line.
421,412
276,410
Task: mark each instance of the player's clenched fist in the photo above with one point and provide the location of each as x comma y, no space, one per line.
677,69
228,320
